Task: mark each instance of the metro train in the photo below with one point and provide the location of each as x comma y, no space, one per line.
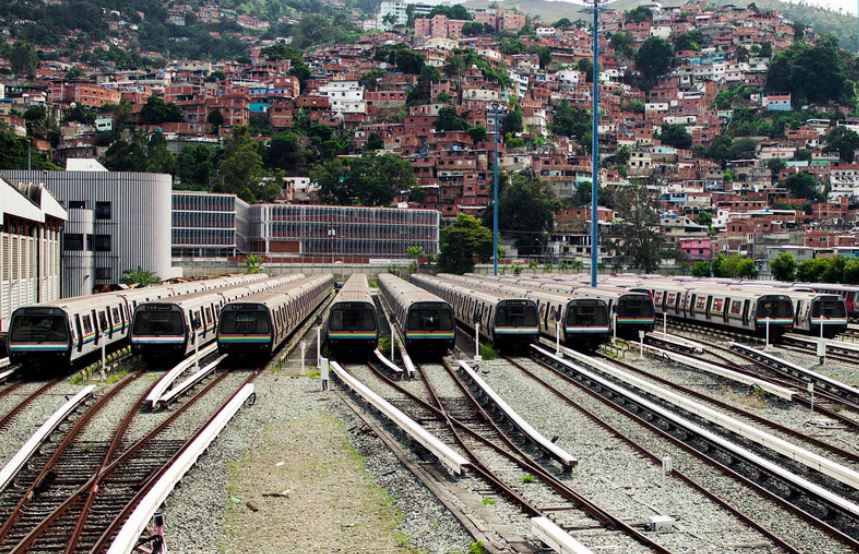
508,321
174,327
584,321
258,324
425,321
73,328
631,311
353,324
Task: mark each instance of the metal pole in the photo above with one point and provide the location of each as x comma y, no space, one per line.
495,200
664,323
477,356
767,345
557,337
29,155
318,346
196,350
595,153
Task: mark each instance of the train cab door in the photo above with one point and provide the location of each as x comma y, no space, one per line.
77,335
709,306
798,315
746,315
726,307
96,328
690,307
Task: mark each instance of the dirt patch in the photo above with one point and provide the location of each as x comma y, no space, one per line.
307,490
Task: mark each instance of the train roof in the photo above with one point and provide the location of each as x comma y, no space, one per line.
213,295
356,289
283,293
488,295
402,289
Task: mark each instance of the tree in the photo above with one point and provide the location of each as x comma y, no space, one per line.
463,242
675,135
653,59
704,218
850,273
478,134
526,213
512,121
572,122
140,277
371,179
802,185
23,58
701,269
253,264
286,151
690,40
775,165
475,29
844,141
196,166
811,74
638,227
156,111
798,30
374,141
742,53
734,266
623,43
638,15
563,24
241,170
216,120
783,267
766,50
450,120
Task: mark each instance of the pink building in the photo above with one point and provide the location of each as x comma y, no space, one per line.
439,27
697,249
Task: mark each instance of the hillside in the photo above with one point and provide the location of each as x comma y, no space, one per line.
822,20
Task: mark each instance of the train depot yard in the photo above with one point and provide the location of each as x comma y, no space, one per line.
433,413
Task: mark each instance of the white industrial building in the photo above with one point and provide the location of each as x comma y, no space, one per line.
31,221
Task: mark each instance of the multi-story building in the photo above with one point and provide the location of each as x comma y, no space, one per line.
344,96
208,225
393,14
116,222
349,234
31,221
440,26
83,94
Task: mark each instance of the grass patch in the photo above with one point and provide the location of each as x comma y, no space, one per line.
77,378
384,344
476,548
276,367
488,352
755,398
528,478
488,501
117,376
314,374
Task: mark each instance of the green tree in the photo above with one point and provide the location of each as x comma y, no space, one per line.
783,267
216,120
704,218
512,121
844,141
734,266
462,243
23,58
156,111
449,120
196,166
638,228
675,135
159,159
653,59
623,43
526,213
286,151
573,122
253,264
742,53
638,15
478,134
851,272
140,277
374,141
812,270
701,269
802,185
241,170
371,179
563,24
775,165
813,74
690,40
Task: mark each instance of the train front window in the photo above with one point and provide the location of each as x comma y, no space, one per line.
830,309
352,319
516,316
430,319
636,306
158,323
779,307
39,328
587,314
238,322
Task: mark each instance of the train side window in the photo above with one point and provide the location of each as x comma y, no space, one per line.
746,312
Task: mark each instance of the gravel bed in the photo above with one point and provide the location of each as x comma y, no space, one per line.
104,424
787,414
195,512
619,478
836,369
33,416
537,494
794,530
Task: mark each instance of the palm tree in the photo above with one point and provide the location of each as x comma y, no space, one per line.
253,264
140,277
578,265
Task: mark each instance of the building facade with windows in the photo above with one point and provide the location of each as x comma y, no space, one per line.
206,225
349,234
117,222
31,222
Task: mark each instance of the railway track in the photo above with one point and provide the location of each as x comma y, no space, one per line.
464,422
79,496
760,476
10,416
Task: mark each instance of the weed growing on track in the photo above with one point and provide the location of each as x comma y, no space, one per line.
487,352
528,478
476,548
488,501
117,376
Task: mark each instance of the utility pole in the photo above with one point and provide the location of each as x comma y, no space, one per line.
496,112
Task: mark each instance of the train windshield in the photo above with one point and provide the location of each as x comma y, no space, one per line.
635,305
830,308
241,322
31,327
430,319
587,312
775,307
158,323
352,319
524,315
